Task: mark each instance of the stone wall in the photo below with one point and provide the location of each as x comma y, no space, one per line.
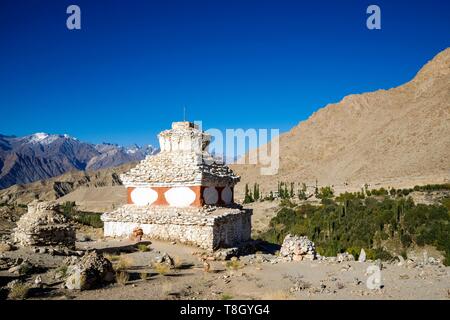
208,228
231,230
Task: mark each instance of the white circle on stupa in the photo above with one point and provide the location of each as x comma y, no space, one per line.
227,195
210,195
180,196
143,196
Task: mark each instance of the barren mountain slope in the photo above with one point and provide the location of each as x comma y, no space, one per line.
389,137
55,188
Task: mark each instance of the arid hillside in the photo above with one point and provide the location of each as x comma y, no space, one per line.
398,137
83,186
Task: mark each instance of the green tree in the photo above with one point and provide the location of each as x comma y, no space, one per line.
248,198
256,194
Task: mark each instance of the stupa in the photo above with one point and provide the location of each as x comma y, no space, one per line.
182,194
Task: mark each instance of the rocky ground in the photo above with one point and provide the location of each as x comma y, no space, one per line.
255,276
150,269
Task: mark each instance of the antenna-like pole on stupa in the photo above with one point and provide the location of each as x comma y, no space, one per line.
184,113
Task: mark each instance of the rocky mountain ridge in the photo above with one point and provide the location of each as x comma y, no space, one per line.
41,156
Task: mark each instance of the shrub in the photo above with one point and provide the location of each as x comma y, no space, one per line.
406,240
161,268
382,255
226,296
143,247
89,219
276,295
19,291
325,192
233,265
355,251
124,263
143,275
122,277
92,219
112,257
287,203
62,270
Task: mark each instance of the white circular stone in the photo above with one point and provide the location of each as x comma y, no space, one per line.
180,196
143,196
227,195
210,195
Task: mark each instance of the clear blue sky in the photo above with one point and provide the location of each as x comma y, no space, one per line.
127,73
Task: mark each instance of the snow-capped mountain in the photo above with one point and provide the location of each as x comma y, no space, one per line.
42,156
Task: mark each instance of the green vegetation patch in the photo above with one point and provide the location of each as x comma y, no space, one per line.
86,218
350,223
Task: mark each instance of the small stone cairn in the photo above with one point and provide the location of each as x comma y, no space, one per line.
295,248
43,226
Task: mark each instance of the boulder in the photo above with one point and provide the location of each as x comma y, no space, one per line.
166,259
91,271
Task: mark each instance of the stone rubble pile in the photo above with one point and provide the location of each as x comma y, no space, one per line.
343,257
297,248
7,263
6,246
22,267
43,226
91,271
165,259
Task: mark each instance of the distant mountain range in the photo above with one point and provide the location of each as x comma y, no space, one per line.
42,156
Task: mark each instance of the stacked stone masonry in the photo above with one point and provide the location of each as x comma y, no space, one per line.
209,228
43,226
182,194
182,174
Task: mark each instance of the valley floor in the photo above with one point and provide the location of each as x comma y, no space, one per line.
256,278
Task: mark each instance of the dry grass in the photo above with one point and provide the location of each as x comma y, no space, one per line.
19,291
143,275
161,268
177,262
276,295
124,262
234,265
4,247
112,257
62,270
122,278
